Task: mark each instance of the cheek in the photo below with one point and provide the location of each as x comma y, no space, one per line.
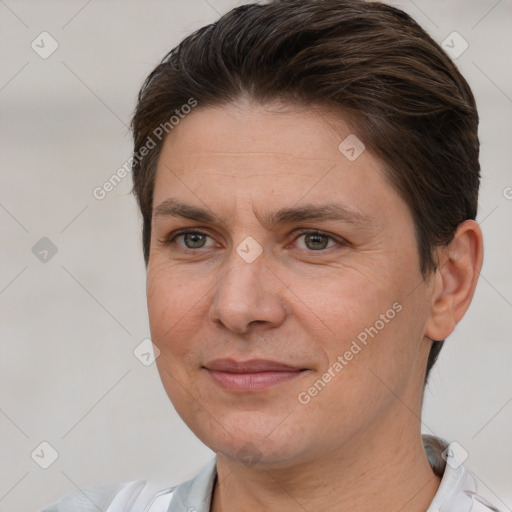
175,302
343,303
366,319
174,307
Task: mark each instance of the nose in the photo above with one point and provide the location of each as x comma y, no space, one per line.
249,293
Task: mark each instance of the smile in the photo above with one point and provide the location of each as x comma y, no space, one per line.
255,375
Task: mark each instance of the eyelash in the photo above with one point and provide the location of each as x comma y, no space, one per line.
171,240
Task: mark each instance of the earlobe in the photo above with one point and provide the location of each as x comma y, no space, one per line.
455,280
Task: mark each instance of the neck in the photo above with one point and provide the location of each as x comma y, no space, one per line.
387,472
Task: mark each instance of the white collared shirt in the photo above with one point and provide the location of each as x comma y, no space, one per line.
457,491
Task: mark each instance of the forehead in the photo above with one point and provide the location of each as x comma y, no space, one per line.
293,135
270,154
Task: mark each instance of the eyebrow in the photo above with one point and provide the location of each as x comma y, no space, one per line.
171,207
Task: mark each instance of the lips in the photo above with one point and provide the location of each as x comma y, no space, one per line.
252,366
252,375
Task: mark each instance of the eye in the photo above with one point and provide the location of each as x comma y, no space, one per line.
191,239
316,240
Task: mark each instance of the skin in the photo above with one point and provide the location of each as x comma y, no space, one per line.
357,443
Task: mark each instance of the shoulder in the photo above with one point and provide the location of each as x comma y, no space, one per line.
458,489
140,495
134,496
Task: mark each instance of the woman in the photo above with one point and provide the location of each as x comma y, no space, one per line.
307,174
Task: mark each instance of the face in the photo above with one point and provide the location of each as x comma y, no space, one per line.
283,285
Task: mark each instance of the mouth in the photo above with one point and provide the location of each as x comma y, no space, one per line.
250,376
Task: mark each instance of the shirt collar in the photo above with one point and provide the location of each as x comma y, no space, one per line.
456,488
195,495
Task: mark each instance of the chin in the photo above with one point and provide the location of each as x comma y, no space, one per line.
251,437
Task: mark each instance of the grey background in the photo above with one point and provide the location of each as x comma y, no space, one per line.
70,325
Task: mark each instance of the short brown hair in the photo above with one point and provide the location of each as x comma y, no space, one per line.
400,92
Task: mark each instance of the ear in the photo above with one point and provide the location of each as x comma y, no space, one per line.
455,280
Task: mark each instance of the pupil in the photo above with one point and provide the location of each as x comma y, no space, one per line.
194,237
317,237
